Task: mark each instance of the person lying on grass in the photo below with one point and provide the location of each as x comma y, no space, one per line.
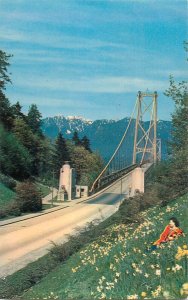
171,232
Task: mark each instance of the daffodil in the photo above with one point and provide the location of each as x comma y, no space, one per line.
143,294
158,272
184,289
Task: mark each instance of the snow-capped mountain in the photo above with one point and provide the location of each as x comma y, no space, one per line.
104,134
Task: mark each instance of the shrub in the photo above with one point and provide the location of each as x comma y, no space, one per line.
3,212
28,197
13,209
8,181
130,208
151,196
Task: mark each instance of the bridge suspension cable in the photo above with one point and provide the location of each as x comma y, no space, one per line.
115,152
141,146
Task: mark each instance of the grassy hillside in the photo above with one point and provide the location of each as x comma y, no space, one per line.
6,195
45,190
118,266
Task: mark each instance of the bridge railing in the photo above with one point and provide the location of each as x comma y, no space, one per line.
109,179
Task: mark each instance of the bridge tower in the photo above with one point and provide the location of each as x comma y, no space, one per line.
145,138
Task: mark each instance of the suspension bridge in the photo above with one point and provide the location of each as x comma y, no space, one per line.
26,238
144,145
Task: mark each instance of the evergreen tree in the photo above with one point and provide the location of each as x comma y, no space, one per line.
6,116
17,111
15,159
34,119
85,142
76,139
23,133
61,153
4,64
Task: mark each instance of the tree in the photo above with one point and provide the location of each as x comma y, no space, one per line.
179,169
6,116
33,143
34,119
17,111
85,142
15,159
23,133
88,165
61,153
4,64
76,139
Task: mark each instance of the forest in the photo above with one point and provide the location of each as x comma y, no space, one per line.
27,156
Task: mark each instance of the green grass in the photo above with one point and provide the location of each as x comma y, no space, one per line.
6,195
118,266
45,190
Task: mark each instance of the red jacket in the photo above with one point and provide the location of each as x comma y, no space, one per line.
168,232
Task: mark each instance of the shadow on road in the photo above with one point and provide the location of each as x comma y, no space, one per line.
107,198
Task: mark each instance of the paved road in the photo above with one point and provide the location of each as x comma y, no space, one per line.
27,240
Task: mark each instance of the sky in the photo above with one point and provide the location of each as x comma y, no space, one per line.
90,57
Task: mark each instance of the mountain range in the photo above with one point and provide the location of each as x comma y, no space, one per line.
104,135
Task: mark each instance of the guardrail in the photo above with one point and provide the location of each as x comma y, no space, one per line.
107,180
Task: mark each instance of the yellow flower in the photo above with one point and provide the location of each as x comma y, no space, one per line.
158,272
73,270
143,294
184,289
181,253
184,246
166,294
185,285
98,289
103,295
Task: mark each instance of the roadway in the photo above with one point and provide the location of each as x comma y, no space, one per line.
27,240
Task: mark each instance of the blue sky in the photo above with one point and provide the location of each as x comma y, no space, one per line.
89,58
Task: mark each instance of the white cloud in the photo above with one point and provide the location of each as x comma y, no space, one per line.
53,40
112,84
52,102
11,35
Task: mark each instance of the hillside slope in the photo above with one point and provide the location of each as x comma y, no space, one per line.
6,195
118,266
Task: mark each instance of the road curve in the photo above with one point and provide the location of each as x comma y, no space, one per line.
27,240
